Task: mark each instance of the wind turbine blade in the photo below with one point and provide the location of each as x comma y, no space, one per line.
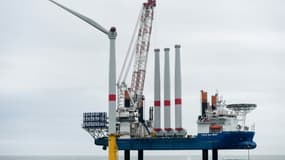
82,17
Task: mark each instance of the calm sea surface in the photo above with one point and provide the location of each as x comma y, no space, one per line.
135,158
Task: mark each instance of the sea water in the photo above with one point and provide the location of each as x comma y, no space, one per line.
227,157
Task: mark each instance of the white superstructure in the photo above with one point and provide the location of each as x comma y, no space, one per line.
220,117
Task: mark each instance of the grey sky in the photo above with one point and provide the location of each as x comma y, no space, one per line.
53,66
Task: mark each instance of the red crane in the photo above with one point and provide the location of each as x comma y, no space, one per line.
137,54
130,97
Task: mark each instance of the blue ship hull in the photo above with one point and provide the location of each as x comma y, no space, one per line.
223,140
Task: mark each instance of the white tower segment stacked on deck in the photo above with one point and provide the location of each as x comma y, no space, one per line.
178,94
178,100
157,91
167,103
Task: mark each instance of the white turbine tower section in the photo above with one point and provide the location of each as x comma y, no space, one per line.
112,82
167,103
178,100
157,90
178,94
112,34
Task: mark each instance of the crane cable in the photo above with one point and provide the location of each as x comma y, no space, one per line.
123,70
134,47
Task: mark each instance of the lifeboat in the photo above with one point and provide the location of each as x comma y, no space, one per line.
216,127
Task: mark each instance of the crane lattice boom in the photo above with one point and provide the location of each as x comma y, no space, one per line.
137,55
142,48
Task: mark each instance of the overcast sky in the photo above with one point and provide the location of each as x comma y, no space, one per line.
53,67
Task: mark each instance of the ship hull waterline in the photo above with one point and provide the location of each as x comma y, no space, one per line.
224,140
